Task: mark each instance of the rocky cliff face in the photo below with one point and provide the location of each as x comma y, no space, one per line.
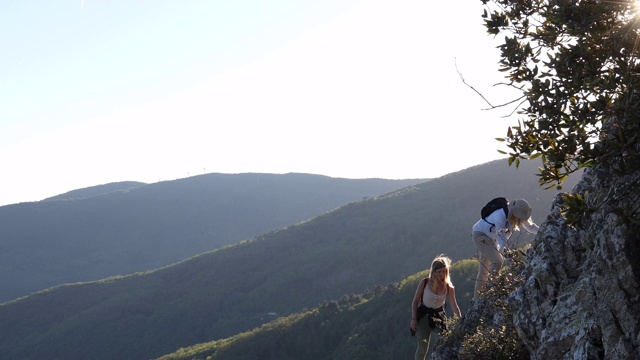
581,293
575,294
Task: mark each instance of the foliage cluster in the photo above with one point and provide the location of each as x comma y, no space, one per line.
576,63
487,331
497,338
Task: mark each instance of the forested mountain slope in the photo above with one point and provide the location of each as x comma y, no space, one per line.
224,292
372,325
122,228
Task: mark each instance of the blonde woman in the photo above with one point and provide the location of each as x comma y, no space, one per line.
490,237
430,297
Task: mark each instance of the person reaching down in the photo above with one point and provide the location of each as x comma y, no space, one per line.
491,233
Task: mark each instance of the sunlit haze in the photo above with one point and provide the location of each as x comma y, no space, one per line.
93,92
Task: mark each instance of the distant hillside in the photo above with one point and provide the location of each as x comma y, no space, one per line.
231,290
96,190
127,227
372,325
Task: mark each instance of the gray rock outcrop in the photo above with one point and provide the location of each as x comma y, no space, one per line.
581,293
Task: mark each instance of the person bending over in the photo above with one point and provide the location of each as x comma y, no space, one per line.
490,237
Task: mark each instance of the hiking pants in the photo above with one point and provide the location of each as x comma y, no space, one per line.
423,336
490,260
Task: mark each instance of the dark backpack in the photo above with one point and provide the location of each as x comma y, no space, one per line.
493,205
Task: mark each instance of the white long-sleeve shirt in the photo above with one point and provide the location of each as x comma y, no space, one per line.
499,232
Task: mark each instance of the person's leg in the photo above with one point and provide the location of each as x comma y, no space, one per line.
482,277
495,257
423,336
483,266
490,260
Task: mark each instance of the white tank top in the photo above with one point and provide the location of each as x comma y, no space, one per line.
432,300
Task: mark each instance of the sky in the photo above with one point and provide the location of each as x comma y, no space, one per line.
94,92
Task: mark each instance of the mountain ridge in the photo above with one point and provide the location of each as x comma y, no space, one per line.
96,190
123,228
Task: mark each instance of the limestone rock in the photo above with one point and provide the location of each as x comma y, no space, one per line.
581,294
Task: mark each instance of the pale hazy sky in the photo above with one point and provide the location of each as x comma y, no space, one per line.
93,92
